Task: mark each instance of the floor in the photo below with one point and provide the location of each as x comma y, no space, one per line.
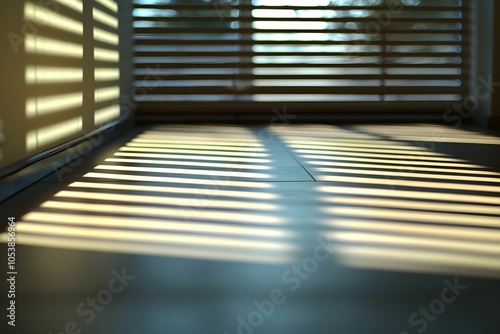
264,229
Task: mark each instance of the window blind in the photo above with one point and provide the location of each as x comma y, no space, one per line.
332,56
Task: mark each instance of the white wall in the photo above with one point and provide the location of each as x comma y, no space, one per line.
63,71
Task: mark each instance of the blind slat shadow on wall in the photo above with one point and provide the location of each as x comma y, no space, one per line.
61,75
66,94
325,56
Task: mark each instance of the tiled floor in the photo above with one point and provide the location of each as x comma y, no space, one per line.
278,229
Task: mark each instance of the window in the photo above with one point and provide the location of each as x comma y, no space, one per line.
319,55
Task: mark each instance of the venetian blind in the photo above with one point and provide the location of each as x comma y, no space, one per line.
326,56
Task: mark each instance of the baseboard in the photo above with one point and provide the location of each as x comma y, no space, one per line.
291,118
19,176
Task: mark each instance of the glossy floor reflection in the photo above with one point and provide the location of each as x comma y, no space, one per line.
290,229
395,203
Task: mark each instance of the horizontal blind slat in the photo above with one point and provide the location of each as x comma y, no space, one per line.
202,53
243,7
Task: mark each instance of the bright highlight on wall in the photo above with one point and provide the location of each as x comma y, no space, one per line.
106,58
76,5
52,104
47,135
51,74
48,46
42,16
105,36
54,115
58,71
106,74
